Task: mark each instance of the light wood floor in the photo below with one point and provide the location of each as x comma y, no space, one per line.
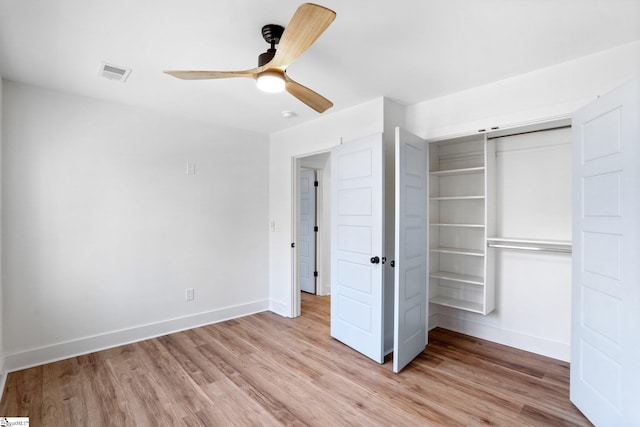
268,370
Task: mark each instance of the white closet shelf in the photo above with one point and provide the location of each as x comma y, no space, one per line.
455,277
461,191
458,303
457,198
440,224
462,171
458,251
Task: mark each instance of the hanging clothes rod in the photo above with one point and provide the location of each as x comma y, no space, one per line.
530,248
530,245
516,133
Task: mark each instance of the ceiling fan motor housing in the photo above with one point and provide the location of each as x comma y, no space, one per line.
264,58
271,33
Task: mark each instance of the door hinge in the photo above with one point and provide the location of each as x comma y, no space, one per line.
315,274
293,245
315,183
315,228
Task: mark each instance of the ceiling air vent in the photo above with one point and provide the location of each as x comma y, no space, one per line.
114,72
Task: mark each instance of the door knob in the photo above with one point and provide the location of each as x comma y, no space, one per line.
375,260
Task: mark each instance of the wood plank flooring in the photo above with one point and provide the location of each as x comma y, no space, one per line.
268,370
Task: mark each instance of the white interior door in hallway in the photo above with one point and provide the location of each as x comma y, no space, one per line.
307,231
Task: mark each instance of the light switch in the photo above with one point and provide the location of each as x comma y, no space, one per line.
191,168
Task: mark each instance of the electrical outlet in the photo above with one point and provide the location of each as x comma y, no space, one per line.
189,295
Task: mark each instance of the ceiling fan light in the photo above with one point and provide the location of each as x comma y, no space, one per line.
270,81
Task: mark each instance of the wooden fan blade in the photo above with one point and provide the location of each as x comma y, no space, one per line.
305,26
205,75
306,95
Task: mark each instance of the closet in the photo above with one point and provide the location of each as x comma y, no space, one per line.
477,225
491,194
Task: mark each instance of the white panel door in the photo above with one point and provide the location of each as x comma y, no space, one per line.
410,284
357,242
307,245
605,336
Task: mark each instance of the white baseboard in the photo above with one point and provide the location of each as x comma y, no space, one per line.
324,289
3,377
432,322
280,308
65,350
553,349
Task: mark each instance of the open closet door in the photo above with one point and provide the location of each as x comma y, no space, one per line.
605,334
410,295
357,241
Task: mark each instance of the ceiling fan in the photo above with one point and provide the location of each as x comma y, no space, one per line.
306,25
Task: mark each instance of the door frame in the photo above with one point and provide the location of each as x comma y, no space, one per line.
296,167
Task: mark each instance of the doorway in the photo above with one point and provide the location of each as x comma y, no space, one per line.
312,256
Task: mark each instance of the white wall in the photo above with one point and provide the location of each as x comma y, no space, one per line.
103,230
545,94
308,138
3,375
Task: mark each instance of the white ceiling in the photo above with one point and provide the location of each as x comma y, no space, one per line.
407,50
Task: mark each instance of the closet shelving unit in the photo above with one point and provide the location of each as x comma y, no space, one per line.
461,216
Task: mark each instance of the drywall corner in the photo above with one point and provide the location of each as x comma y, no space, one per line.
394,116
3,375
